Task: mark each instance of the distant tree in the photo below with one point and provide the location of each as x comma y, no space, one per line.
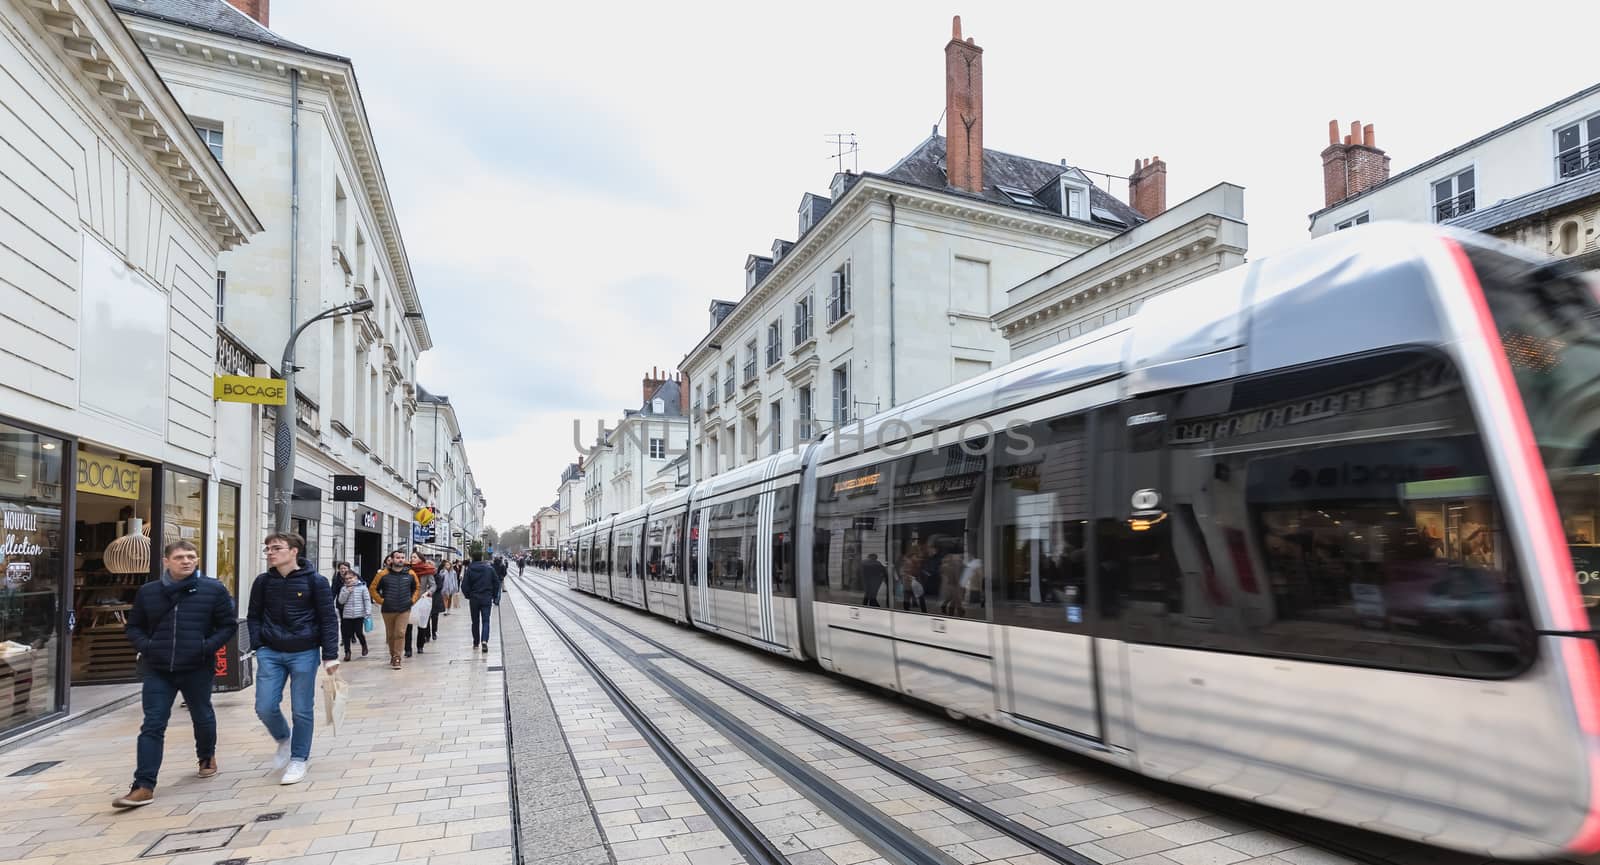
515,539
475,548
491,537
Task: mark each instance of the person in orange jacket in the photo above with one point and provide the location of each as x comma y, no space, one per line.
395,588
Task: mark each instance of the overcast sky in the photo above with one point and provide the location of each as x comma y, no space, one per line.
576,181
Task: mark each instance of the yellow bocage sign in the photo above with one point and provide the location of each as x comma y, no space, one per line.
262,391
424,516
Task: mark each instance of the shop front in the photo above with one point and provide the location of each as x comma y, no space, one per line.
368,542
35,522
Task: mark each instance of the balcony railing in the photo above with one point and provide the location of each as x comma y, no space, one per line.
1451,208
1578,160
774,352
727,389
838,307
750,370
802,331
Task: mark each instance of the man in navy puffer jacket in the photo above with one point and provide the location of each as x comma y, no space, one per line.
292,624
177,624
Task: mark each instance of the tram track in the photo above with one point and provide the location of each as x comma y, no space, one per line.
1355,844
877,831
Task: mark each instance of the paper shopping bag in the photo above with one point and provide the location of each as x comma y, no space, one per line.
336,697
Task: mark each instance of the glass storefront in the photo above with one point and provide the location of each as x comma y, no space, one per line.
228,537
183,507
33,579
114,556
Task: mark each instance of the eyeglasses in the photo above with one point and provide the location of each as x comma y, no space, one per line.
275,548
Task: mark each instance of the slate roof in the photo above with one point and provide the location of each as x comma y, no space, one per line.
1532,204
922,167
216,16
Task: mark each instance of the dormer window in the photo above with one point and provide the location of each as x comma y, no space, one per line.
750,278
1020,196
1074,198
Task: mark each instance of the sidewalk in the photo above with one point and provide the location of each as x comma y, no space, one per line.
417,774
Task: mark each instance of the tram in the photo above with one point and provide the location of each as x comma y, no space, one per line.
1310,532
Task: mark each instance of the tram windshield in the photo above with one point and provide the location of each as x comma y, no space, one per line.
1549,323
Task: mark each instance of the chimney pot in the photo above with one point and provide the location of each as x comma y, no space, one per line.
955,28
1369,136
1355,131
1333,131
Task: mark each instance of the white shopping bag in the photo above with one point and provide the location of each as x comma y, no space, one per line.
421,611
335,698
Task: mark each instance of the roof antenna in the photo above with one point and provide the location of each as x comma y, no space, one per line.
940,121
844,144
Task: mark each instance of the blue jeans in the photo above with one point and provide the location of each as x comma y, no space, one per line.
273,668
480,614
160,689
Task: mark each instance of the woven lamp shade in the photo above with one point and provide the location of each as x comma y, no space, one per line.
129,554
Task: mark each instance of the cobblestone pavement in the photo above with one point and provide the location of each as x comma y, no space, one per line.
417,774
1107,820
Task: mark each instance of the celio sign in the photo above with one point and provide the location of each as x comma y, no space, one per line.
262,391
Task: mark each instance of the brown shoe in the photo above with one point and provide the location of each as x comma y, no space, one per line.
136,796
394,663
208,767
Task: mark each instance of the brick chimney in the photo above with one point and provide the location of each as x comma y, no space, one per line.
1147,187
683,393
257,9
654,380
963,111
1352,166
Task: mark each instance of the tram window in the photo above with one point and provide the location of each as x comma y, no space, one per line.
933,555
731,528
1551,336
852,511
1041,514
783,543
695,523
627,542
1342,512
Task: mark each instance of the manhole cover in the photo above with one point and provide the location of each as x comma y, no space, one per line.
233,861
35,769
193,841
271,815
496,669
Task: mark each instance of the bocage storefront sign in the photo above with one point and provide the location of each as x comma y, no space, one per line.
107,477
261,391
349,488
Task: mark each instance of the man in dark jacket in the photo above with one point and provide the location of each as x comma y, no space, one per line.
481,585
177,624
291,617
395,589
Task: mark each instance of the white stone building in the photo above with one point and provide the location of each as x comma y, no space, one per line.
113,215
1546,159
1205,235
543,530
569,504
889,291
234,78
444,475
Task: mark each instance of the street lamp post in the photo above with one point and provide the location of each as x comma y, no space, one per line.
283,435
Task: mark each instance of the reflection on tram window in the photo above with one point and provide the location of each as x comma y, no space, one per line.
1041,516
1551,336
730,528
627,541
662,541
1343,512
783,542
695,522
905,534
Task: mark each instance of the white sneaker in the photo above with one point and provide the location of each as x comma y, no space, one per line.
282,758
295,773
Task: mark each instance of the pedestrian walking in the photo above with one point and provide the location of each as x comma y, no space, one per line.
427,575
449,585
177,624
293,625
395,589
355,605
482,588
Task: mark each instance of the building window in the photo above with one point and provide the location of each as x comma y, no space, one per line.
212,138
1074,200
1020,196
727,383
776,412
802,320
1454,196
1578,148
1351,223
750,362
699,395
775,341
658,449
803,413
841,395
222,288
711,397
839,294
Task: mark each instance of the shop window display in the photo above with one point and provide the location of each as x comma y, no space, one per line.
31,575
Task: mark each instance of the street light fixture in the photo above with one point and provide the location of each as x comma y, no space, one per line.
283,434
